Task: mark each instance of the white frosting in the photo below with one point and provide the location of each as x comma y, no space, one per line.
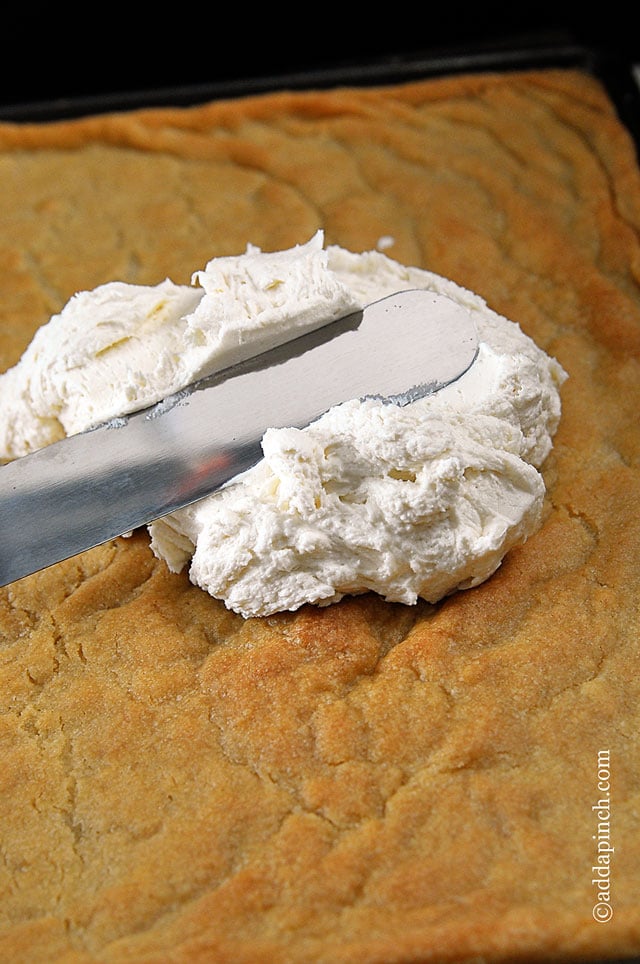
122,347
408,502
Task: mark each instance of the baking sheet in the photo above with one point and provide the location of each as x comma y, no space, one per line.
617,71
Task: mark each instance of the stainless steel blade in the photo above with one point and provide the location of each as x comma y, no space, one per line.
92,487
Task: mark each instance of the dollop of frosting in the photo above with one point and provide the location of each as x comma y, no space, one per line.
122,347
408,502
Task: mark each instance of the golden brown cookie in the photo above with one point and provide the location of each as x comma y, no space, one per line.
366,782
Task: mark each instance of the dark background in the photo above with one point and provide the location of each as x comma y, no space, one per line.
104,51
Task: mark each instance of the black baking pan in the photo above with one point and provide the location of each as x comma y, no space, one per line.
615,65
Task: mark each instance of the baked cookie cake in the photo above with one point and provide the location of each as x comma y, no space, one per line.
360,776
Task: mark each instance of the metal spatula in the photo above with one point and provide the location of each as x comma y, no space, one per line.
94,486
